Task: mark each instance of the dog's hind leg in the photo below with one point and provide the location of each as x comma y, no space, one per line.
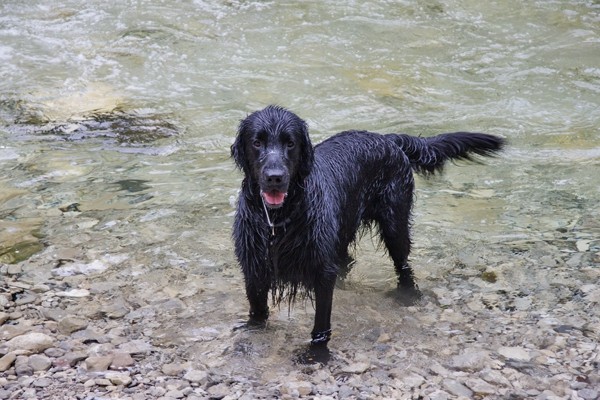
394,226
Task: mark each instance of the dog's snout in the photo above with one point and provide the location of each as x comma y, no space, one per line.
274,176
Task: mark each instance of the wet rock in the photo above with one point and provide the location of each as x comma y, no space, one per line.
98,363
34,342
515,353
72,324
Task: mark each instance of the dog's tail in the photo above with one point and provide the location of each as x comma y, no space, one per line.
429,154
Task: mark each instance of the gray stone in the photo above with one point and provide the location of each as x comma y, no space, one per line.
303,388
196,376
480,387
6,361
42,382
456,388
413,380
121,361
34,342
356,368
70,324
588,394
22,368
39,362
515,353
26,298
10,331
98,363
218,391
118,378
174,369
75,356
136,347
438,395
174,394
54,352
470,360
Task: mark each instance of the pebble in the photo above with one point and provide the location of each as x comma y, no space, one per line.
143,331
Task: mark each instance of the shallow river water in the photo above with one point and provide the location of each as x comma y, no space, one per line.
115,176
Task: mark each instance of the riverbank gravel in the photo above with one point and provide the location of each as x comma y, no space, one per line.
80,321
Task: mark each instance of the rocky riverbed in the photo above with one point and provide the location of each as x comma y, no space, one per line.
125,306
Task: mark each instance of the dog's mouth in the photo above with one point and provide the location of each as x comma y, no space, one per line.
274,198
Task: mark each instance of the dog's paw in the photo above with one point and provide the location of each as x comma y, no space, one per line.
312,354
252,324
406,296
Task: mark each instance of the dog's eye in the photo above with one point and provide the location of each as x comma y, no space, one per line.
257,144
291,144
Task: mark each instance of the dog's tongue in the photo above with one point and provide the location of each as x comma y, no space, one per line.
274,198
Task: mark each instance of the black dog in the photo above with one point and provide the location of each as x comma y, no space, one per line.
300,207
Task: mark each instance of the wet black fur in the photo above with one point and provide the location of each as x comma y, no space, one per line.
352,179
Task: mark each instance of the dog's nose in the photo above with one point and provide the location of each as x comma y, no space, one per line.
274,176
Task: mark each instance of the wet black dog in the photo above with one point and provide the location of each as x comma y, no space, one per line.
301,206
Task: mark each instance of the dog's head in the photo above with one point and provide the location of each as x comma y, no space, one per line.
273,149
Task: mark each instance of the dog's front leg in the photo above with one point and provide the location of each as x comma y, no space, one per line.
257,293
321,332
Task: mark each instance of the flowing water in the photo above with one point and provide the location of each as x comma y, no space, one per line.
117,117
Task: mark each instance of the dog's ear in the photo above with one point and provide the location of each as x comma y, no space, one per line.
306,153
238,148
